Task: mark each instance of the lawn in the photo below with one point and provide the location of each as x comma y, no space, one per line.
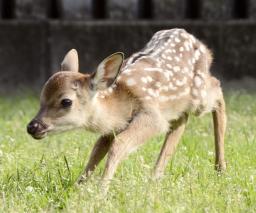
40,175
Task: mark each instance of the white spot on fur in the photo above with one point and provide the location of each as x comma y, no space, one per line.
127,71
110,89
197,81
170,73
163,56
191,44
177,58
197,54
144,80
158,84
184,35
192,38
149,78
153,92
181,49
131,82
176,68
202,48
153,69
186,45
176,31
166,43
177,40
169,66
167,76
169,58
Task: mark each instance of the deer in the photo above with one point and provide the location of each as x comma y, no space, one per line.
128,101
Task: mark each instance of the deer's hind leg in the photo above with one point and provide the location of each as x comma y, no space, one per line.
171,141
214,102
219,122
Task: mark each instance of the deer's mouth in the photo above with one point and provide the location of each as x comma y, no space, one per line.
39,135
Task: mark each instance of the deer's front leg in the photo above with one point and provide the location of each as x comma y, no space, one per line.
142,127
171,141
99,151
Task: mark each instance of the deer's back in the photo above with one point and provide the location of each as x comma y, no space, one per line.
171,73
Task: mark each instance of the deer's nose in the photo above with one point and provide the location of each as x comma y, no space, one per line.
33,127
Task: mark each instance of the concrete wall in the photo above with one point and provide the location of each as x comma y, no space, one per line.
33,39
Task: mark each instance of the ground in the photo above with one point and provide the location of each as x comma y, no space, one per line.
40,175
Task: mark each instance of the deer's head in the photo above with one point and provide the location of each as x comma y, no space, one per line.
67,97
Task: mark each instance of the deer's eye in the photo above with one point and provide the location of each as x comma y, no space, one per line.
65,103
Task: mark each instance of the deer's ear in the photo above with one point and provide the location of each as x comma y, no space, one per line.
70,61
107,71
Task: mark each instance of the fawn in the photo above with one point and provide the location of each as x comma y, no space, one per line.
128,102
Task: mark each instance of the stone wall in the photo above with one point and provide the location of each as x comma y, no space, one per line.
35,34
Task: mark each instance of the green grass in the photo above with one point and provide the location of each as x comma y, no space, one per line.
40,175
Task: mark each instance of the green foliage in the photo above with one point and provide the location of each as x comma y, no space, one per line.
38,176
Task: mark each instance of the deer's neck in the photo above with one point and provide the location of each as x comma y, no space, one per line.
111,111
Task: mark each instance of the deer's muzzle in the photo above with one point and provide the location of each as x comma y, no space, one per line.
37,129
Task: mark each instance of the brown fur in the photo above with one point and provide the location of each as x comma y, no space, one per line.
153,92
